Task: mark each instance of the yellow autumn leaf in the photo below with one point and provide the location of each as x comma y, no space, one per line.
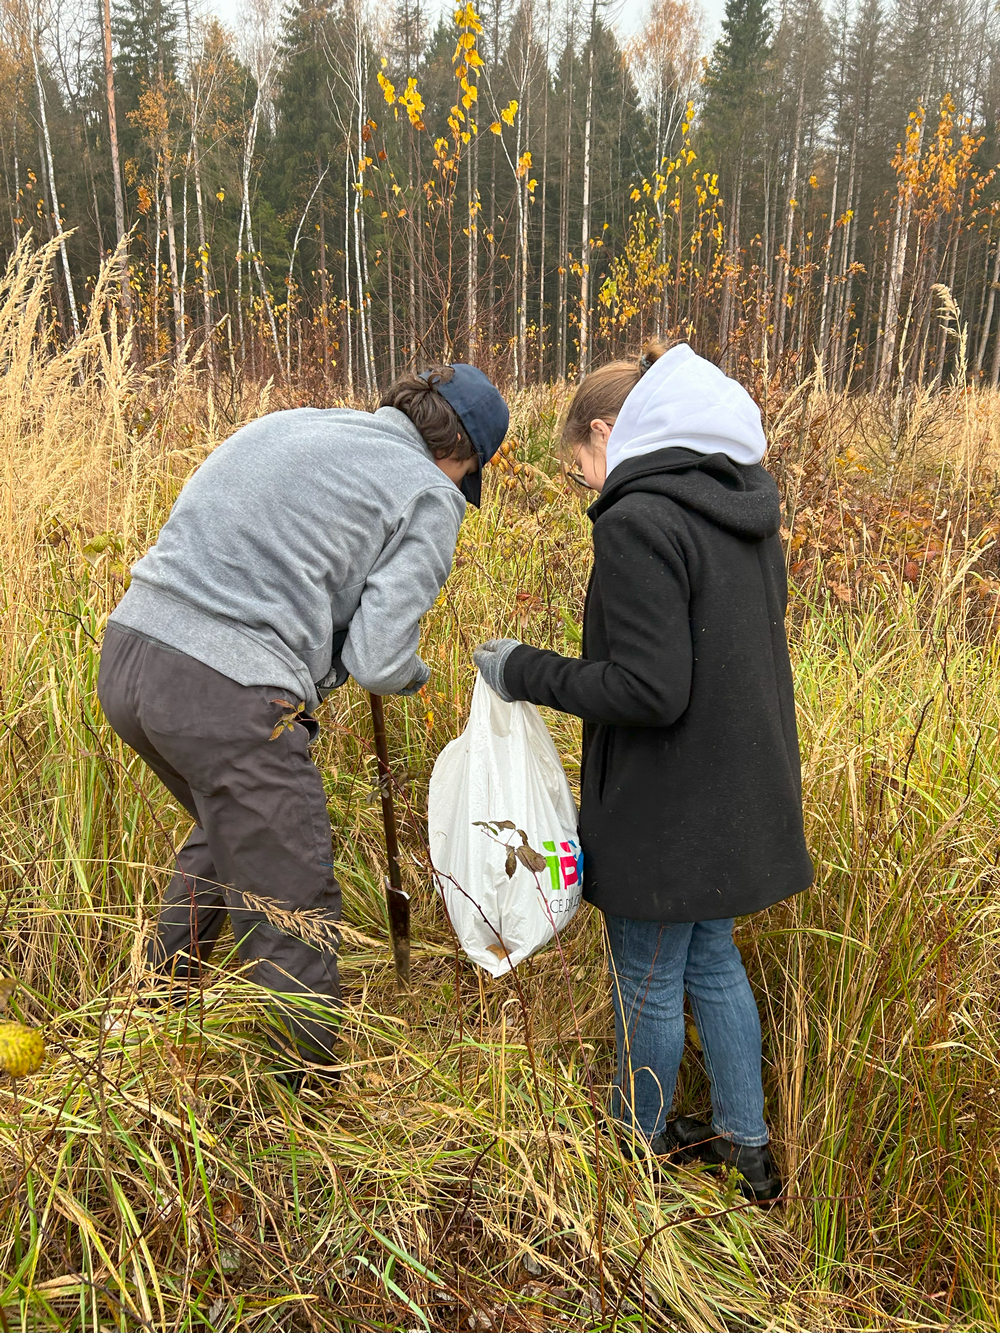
22,1049
220,195
466,17
509,112
496,127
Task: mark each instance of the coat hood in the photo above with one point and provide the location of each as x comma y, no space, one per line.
739,498
684,402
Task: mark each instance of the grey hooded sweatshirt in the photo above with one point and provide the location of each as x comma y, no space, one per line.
302,524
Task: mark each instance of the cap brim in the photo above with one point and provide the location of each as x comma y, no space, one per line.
472,486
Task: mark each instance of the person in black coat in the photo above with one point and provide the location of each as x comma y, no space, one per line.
691,810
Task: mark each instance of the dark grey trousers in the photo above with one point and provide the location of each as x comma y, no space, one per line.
237,758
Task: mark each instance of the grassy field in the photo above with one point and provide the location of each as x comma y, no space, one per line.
155,1178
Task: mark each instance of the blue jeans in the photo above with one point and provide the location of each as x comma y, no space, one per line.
652,964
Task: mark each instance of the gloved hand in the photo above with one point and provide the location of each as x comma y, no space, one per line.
489,657
419,680
338,674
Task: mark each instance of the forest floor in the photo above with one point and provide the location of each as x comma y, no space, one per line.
156,1178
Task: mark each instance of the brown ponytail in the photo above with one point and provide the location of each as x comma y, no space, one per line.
433,416
602,394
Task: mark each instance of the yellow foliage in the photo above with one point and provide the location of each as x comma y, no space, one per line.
22,1050
413,103
466,17
933,180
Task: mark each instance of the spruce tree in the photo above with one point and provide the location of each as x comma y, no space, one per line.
145,38
308,130
735,75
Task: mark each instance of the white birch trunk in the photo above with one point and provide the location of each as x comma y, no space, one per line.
57,215
584,359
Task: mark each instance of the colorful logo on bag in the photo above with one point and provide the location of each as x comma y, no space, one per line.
565,865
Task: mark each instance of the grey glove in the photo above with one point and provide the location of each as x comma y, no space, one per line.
419,680
490,657
338,674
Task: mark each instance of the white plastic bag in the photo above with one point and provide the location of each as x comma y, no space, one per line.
504,769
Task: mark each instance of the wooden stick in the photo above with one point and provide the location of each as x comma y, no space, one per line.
397,900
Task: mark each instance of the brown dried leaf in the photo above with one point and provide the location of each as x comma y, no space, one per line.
510,864
532,859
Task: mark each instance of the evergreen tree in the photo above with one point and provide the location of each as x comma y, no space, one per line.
307,131
734,79
145,37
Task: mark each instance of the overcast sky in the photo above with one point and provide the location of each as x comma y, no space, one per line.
625,14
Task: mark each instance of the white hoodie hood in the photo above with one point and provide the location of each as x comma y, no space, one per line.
684,402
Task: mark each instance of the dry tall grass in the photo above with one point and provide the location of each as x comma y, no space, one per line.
155,1178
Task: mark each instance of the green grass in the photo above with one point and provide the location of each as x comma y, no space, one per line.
155,1177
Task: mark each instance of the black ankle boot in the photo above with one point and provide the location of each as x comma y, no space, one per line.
690,1140
684,1139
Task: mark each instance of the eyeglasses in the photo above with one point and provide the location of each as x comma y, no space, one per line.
575,475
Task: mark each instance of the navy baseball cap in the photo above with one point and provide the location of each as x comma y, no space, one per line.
484,416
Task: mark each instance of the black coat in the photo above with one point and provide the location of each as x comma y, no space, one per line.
691,786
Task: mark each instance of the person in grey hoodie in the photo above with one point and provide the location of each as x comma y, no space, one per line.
303,551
